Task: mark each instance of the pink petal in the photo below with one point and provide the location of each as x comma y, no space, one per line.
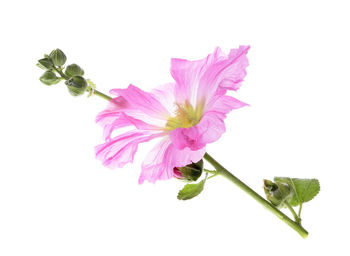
123,121
165,94
134,107
200,80
225,74
234,70
224,104
136,99
121,149
187,74
160,162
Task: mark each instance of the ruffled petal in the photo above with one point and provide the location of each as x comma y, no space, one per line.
198,81
121,149
224,104
160,162
137,104
224,75
137,99
188,73
165,94
134,107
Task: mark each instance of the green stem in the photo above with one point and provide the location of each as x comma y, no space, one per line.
225,173
296,218
209,171
102,95
300,207
63,75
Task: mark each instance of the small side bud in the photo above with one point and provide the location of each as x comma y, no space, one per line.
190,172
277,193
49,78
45,64
74,70
58,57
76,85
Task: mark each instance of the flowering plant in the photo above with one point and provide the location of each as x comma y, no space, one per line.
185,115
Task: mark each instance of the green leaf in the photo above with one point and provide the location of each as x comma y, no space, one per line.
304,189
191,190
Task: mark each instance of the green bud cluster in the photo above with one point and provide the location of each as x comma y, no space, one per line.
55,72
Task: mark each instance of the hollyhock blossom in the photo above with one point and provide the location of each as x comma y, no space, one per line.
185,115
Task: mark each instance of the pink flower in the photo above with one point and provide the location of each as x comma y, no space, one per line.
185,115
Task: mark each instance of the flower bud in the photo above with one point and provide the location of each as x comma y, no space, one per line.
190,172
277,193
74,70
58,57
49,78
45,64
76,85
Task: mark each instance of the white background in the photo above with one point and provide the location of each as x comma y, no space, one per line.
56,199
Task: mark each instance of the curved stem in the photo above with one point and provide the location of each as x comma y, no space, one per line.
225,173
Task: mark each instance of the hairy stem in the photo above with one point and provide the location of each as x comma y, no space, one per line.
225,173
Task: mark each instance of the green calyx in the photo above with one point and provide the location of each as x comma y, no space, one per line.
58,57
49,78
76,85
192,171
277,193
45,64
74,70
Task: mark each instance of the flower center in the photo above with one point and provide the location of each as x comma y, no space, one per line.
186,116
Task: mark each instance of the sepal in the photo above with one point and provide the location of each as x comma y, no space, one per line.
58,57
74,70
190,172
76,85
45,64
278,193
49,78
